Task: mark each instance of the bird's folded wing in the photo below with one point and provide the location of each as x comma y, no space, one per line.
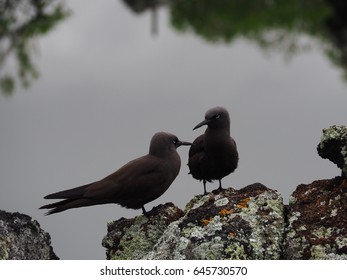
131,180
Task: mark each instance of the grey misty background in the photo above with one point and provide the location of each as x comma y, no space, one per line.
107,75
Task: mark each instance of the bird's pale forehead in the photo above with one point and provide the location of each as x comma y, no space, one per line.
214,111
163,135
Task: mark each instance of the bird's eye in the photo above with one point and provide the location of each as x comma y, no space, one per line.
217,117
174,141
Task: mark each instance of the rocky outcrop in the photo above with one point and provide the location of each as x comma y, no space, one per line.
251,223
317,221
21,238
333,146
135,238
232,224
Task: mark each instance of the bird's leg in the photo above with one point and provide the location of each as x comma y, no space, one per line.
204,182
220,185
144,212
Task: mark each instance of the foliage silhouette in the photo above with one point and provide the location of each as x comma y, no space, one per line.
20,22
273,25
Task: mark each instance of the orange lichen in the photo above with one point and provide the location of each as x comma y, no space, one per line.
225,212
232,234
243,203
205,222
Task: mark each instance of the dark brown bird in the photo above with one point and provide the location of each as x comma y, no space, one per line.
132,186
213,155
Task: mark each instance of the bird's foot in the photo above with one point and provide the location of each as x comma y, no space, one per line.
218,190
144,212
205,192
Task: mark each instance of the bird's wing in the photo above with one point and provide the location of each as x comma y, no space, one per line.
197,146
130,181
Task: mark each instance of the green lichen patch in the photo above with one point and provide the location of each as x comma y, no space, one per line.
4,248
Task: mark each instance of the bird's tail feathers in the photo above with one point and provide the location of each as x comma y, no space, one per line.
68,194
68,204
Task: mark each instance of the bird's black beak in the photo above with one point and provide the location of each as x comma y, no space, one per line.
183,143
204,122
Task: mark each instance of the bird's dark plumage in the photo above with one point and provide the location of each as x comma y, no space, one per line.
213,155
133,185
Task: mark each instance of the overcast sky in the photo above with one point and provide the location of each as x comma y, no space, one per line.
107,85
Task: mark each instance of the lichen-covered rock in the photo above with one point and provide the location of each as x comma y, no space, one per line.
317,221
21,238
333,146
232,224
134,238
251,223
